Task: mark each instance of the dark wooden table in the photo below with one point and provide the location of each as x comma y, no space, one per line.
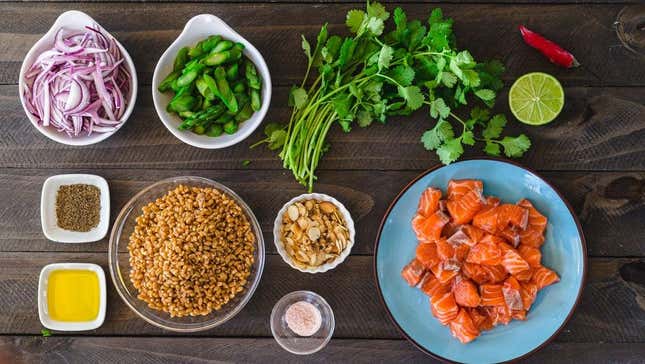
594,153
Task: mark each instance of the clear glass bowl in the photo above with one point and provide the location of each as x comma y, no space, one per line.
289,340
120,265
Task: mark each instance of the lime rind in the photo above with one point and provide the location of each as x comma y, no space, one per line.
536,98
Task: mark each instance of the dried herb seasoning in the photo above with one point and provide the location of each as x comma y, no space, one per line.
78,207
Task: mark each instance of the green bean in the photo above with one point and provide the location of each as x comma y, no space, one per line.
225,92
182,103
215,130
206,103
166,84
187,114
210,43
216,59
239,46
224,118
256,104
234,55
181,59
196,50
230,127
222,46
252,77
187,78
212,112
239,87
202,87
244,114
232,72
199,129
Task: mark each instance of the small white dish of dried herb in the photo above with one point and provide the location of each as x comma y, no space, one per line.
75,208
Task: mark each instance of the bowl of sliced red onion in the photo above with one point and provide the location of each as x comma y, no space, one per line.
78,84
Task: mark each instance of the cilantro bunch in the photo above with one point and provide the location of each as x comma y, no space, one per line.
373,74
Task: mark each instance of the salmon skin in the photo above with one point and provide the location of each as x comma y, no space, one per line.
477,259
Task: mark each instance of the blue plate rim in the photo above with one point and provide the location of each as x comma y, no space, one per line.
436,167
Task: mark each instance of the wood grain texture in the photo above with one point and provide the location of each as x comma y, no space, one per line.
152,350
599,129
146,30
350,289
611,206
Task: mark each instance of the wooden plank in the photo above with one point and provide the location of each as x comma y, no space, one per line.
275,29
599,129
55,349
350,290
610,205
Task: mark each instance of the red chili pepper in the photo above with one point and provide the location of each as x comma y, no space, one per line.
554,52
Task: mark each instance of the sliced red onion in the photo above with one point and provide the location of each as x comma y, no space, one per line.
81,85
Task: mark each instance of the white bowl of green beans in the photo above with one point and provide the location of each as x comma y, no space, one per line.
211,88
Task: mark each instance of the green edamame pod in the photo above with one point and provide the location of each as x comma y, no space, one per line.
210,43
225,92
252,77
214,130
187,114
230,127
199,129
166,84
239,87
244,114
216,59
222,46
184,102
256,103
181,59
232,72
203,88
225,118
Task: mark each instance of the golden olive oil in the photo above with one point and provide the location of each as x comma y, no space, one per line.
73,295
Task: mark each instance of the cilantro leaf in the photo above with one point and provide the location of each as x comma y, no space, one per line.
479,114
330,51
342,105
375,26
246,162
468,138
492,148
346,51
515,147
306,47
471,78
434,137
377,10
271,127
448,79
494,128
354,20
464,59
438,108
46,332
364,118
297,97
450,151
485,94
435,16
385,57
401,22
412,96
403,74
277,139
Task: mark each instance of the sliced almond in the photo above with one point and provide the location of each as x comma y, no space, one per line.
313,233
293,212
327,207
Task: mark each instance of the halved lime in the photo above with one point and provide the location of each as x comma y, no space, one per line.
536,98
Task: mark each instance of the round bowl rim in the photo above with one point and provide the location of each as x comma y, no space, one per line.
304,292
277,224
250,51
515,164
28,61
112,259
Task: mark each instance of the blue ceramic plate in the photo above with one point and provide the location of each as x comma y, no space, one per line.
564,251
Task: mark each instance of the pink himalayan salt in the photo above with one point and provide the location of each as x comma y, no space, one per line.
303,318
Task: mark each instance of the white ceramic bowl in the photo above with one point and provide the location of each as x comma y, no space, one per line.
277,225
43,310
73,20
48,209
197,29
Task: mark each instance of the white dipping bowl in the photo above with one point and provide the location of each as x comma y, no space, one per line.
73,20
198,28
277,225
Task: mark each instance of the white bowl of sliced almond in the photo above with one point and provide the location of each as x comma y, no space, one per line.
313,233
